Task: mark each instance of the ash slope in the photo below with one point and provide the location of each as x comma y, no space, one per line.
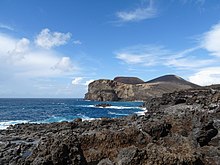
179,128
174,79
131,88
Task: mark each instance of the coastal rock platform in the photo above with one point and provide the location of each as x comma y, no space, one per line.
179,128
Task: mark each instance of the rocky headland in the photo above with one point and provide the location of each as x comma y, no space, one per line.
132,88
181,128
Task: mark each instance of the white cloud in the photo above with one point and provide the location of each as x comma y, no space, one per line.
206,76
24,60
81,81
7,44
47,39
77,42
138,14
131,58
29,66
64,64
12,49
186,52
186,62
77,81
21,46
4,26
146,55
211,40
157,56
209,44
38,64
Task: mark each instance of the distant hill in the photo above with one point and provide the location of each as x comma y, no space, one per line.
172,79
132,88
128,80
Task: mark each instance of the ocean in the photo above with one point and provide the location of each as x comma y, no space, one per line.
14,111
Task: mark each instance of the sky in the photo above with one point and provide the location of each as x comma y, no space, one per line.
55,48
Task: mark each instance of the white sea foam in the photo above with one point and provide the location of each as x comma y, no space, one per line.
120,107
110,107
52,119
84,117
86,106
142,112
60,103
118,114
86,100
5,124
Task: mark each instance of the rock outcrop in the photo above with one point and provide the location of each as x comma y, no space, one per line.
179,128
130,89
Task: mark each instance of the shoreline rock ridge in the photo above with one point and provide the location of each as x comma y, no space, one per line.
180,128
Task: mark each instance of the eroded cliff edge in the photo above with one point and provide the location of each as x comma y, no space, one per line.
179,128
132,88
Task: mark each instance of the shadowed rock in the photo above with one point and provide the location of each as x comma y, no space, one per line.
128,80
206,134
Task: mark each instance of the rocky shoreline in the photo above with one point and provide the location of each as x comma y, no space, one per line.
179,128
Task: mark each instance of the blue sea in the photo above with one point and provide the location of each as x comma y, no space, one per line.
14,111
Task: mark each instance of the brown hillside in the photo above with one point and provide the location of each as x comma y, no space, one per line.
129,80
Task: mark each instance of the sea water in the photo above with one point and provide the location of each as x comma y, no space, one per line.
14,111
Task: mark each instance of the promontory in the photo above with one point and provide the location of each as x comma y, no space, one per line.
132,88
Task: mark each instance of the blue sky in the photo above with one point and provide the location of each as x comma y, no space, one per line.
54,48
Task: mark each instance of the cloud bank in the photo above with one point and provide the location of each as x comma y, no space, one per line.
206,76
35,69
211,40
29,60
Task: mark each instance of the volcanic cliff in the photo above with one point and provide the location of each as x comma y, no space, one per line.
132,88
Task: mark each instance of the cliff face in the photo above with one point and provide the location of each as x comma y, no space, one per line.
129,89
109,90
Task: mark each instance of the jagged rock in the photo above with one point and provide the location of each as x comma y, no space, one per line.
203,97
157,131
59,148
105,162
130,155
206,134
169,133
103,105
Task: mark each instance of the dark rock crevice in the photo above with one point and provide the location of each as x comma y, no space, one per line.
206,134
